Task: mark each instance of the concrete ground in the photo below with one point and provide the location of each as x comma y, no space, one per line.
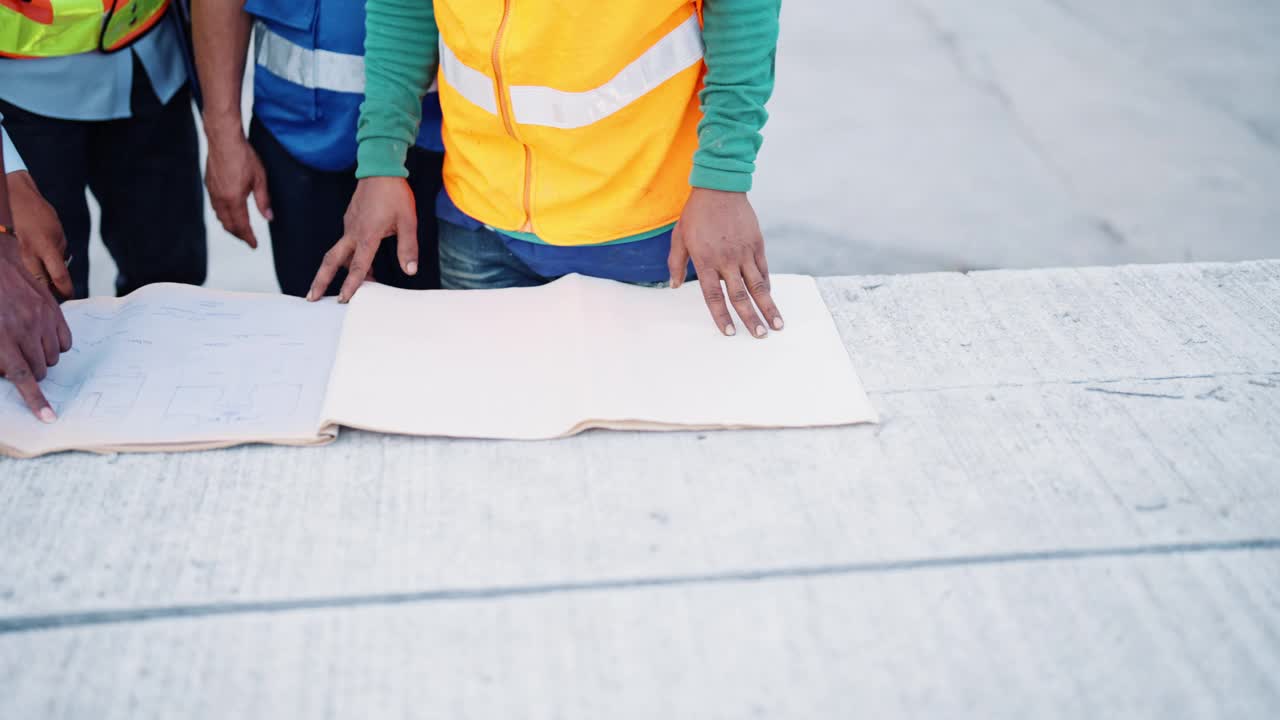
1070,510
917,135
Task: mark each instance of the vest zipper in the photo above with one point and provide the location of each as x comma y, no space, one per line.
506,119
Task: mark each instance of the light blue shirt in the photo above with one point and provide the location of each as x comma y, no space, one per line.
12,160
95,86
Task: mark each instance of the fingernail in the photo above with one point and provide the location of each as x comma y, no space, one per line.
270,215
411,268
46,415
311,295
777,323
760,331
730,330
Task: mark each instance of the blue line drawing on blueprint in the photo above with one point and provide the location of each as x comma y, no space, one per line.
103,395
212,404
59,394
175,363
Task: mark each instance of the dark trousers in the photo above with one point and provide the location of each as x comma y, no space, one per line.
308,206
144,171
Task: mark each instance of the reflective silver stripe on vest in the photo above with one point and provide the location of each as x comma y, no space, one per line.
471,84
538,105
315,69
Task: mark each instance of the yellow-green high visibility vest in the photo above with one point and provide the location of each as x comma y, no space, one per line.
53,28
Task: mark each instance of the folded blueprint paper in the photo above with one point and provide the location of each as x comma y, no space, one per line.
174,367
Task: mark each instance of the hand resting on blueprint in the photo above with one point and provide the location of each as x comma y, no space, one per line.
719,231
380,208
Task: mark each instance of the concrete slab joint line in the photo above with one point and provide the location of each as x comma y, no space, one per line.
1269,379
35,623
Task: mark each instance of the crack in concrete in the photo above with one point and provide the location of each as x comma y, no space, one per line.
60,621
1214,394
1270,380
1127,393
975,69
1109,230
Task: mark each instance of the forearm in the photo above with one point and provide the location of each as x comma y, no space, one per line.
221,33
741,38
400,56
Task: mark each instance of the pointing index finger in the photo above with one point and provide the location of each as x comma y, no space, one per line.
18,373
337,256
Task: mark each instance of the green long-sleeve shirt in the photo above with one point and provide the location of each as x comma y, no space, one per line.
741,38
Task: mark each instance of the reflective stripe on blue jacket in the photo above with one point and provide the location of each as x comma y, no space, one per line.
309,79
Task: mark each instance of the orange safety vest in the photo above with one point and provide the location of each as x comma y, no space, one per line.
573,120
54,28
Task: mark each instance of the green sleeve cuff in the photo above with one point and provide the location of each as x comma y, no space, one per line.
381,157
714,179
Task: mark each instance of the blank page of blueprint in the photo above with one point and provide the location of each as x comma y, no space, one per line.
176,364
581,352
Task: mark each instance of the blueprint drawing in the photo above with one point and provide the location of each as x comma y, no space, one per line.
173,363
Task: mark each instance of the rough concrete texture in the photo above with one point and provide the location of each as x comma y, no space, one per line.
1071,509
922,135
919,135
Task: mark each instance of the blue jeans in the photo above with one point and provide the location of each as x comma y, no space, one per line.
479,258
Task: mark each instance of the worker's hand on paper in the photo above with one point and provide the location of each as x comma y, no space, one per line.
232,172
41,243
381,207
719,232
32,330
